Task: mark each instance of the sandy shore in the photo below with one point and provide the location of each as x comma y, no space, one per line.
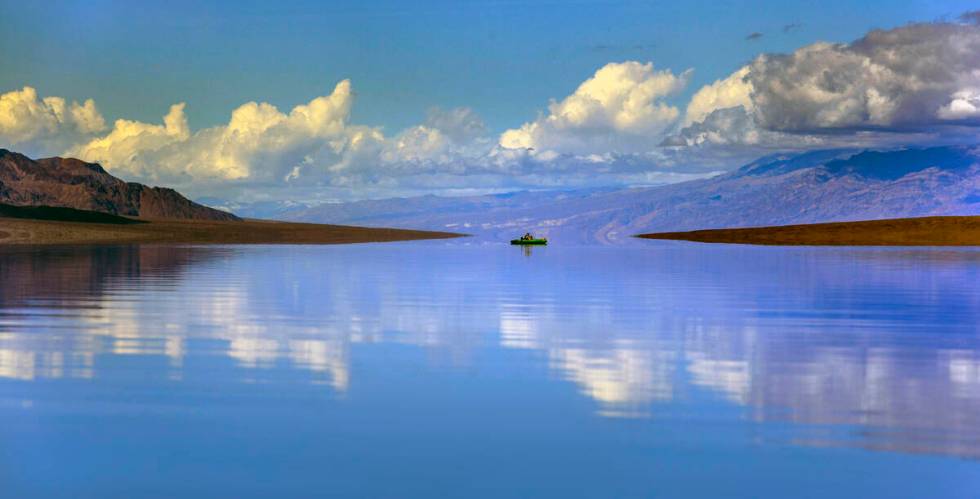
20,231
926,231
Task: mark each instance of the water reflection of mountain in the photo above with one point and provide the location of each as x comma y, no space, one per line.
45,287
885,343
53,272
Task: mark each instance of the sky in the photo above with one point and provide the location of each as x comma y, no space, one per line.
366,99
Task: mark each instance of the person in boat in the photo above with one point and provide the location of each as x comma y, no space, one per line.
527,237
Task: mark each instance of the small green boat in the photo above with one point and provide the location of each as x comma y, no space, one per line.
529,241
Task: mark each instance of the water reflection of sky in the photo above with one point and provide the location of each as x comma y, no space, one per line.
823,348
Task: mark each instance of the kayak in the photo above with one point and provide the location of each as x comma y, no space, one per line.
529,241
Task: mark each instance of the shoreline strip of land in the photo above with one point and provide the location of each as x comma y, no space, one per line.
924,231
45,232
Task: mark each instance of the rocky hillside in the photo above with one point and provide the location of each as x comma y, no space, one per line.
72,183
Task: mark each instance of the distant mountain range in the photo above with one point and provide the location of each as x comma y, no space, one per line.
818,186
267,210
72,183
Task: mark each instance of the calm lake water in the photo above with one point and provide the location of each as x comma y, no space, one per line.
441,369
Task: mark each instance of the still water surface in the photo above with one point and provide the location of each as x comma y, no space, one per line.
441,369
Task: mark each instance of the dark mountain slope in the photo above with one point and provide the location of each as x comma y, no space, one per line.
72,183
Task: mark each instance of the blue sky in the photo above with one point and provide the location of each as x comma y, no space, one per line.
502,61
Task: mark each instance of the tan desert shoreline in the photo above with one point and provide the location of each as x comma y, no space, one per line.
925,231
24,231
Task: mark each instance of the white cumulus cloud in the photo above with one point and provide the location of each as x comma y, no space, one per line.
27,120
258,141
129,139
889,78
456,139
913,77
964,104
312,144
732,91
619,109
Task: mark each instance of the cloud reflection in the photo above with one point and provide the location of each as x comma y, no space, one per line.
782,335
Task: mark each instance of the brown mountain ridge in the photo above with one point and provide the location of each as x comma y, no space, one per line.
73,183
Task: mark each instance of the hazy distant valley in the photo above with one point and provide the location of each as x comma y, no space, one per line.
819,186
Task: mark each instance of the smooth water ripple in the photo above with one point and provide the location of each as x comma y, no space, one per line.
446,369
